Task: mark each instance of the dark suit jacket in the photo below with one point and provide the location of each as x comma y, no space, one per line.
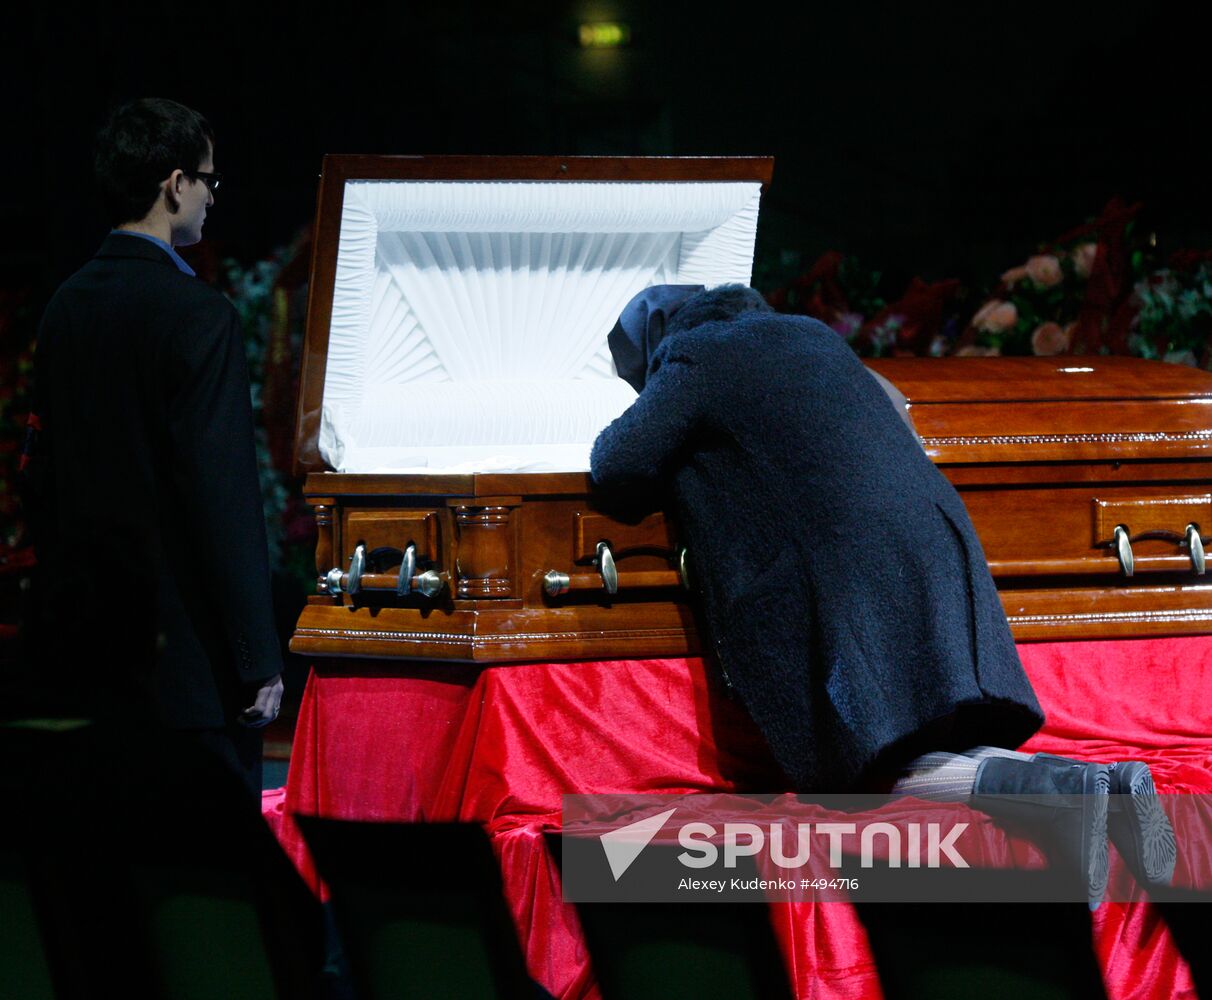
844,587
153,589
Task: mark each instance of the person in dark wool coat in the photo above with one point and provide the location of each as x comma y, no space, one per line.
842,583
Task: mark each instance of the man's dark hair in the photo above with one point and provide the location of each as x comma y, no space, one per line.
141,144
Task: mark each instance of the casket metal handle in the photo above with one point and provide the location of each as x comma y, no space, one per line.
556,583
1191,539
1195,544
408,569
1123,549
607,568
405,583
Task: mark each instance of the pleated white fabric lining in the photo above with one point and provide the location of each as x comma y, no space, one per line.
469,319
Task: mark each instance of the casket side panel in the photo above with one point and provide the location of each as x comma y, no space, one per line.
1045,480
1050,456
494,551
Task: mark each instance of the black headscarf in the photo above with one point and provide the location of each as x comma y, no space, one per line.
641,328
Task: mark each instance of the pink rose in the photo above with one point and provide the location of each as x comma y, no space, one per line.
1050,338
995,316
1013,276
1083,259
976,351
1045,270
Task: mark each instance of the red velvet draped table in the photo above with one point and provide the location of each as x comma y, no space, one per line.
501,745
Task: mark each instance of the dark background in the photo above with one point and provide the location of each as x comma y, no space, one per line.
934,140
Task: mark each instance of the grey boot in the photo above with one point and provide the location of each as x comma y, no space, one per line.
1137,824
1059,804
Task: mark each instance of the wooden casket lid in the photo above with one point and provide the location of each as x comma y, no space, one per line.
1009,410
340,169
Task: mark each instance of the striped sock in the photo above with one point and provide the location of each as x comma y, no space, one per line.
947,777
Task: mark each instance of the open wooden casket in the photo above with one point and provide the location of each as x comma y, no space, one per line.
1051,456
456,373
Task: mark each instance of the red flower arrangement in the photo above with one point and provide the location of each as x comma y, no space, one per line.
1074,296
839,292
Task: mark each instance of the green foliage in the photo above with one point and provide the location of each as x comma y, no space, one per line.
861,286
1175,317
252,290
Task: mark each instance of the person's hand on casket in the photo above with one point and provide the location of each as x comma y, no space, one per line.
266,703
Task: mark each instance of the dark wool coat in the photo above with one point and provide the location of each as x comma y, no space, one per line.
154,590
843,585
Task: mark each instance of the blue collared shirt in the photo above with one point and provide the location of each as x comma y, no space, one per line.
177,258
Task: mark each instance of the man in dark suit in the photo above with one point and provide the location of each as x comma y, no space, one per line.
153,599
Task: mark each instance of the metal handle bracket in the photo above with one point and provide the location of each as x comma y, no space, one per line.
1123,549
605,564
1195,544
408,569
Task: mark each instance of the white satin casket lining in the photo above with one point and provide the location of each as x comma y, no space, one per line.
469,319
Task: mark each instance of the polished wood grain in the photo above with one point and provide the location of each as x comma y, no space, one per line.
323,509
653,534
487,550
1030,531
942,381
483,487
1049,457
989,410
1166,515
1155,609
340,167
1191,475
395,528
627,580
572,632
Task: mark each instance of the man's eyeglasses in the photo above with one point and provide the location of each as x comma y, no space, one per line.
211,180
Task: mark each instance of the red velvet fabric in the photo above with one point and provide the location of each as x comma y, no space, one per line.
273,809
500,745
